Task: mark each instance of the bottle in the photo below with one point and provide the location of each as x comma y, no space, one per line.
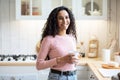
82,49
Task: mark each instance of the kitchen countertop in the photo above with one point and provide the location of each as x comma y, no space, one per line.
93,63
17,63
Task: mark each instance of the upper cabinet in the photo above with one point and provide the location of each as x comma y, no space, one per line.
40,9
32,9
92,9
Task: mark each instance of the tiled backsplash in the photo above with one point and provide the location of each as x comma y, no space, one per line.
22,36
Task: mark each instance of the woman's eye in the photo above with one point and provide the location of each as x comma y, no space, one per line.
66,17
62,18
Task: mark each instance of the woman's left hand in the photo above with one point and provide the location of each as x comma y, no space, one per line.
74,60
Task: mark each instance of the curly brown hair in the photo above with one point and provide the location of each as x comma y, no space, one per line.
51,25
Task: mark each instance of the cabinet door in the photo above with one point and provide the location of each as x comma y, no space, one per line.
91,75
82,72
18,73
43,74
32,9
92,9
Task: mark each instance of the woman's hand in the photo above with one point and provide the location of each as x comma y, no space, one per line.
67,59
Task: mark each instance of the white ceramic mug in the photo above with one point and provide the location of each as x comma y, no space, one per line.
106,55
76,54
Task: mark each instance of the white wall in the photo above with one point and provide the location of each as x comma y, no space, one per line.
21,36
85,29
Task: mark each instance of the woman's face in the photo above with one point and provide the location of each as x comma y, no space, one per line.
63,20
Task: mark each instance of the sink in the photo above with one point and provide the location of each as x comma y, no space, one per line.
108,72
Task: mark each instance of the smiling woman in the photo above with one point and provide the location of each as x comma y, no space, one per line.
58,38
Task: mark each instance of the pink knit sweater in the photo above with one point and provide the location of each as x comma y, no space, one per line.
57,46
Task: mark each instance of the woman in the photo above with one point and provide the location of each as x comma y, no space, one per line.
58,38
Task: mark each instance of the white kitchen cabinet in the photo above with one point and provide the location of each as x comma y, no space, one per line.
18,77
18,73
32,9
82,72
38,9
22,73
91,75
91,9
43,74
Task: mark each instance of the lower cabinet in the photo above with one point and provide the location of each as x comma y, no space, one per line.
91,75
82,72
43,74
22,73
18,73
85,73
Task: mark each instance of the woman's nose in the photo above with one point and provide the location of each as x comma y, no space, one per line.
64,20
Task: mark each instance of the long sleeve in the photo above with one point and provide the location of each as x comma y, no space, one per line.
44,51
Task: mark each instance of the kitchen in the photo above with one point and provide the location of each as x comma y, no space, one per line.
19,36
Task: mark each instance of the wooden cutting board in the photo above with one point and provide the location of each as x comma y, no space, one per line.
106,66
